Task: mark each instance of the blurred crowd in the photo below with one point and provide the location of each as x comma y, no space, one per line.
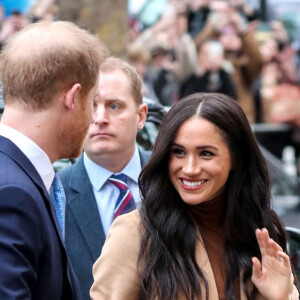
14,19
187,46
16,16
220,46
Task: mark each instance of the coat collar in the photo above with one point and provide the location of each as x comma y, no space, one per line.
204,264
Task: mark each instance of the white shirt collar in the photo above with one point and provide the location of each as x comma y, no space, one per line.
34,153
99,175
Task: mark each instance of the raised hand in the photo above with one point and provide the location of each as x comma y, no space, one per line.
273,275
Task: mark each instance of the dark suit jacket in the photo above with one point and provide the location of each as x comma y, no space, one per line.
84,236
33,261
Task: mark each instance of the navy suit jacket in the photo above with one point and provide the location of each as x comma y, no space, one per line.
84,235
33,260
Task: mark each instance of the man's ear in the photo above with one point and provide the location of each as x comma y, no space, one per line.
71,95
142,115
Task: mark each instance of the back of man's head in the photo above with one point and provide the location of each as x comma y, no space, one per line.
46,58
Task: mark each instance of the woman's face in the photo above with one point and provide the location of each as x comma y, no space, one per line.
199,161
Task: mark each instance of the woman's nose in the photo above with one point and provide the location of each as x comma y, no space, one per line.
191,166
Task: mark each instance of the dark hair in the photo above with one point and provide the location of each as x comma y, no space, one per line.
167,256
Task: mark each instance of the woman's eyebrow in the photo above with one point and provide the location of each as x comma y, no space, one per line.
198,147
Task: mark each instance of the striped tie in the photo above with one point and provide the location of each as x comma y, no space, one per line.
125,202
59,198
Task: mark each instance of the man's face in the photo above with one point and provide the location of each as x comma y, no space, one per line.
117,118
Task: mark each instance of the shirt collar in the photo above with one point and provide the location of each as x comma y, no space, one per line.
34,153
99,175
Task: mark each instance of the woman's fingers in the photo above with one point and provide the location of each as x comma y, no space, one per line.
275,246
272,274
261,241
267,242
284,258
256,269
267,245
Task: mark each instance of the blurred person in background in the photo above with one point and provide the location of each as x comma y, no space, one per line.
139,57
169,43
199,11
134,29
278,90
158,73
240,47
21,6
197,17
212,75
46,10
12,24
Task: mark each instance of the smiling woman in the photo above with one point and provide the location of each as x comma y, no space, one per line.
199,161
205,229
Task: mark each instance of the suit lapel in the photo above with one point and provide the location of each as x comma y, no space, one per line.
11,150
84,208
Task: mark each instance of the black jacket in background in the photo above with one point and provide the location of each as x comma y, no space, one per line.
196,84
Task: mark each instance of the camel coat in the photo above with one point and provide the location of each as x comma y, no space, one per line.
115,271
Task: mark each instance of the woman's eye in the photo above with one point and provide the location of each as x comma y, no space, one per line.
206,153
177,151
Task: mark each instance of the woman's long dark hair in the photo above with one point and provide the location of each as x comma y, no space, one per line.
167,256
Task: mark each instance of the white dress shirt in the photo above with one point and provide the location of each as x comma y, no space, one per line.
106,193
34,153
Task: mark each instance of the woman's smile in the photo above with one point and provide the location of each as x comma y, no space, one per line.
199,161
